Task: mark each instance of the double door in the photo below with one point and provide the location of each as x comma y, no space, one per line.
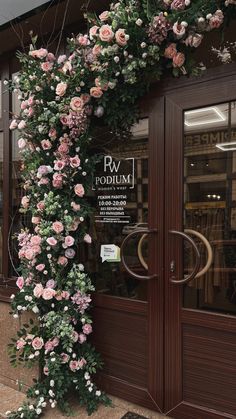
169,341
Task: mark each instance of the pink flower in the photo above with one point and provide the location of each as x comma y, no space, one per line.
121,37
82,362
39,53
21,143
82,338
194,40
20,343
40,205
35,240
179,30
29,254
55,341
47,66
48,293
58,227
87,328
178,59
51,57
20,282
75,161
57,180
63,148
70,253
52,133
61,89
62,260
69,241
38,290
82,40
51,283
93,31
13,124
67,67
45,370
216,20
22,124
61,59
30,112
87,238
79,190
25,201
170,51
76,103
31,100
49,346
37,343
178,5
51,241
104,16
74,365
97,49
46,144
96,92
40,267
64,358
75,336
105,33
59,165
35,220
75,207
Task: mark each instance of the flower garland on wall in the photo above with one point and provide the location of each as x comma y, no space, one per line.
102,76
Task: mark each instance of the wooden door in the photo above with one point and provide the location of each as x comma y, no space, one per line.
200,195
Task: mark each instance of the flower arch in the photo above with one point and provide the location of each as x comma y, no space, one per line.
102,76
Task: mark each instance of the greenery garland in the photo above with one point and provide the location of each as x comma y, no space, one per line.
62,98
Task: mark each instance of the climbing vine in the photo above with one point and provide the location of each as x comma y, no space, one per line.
62,99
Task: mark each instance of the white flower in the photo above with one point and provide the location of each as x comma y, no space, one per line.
37,392
52,383
31,407
8,412
201,20
12,296
31,356
53,405
5,82
116,59
143,45
209,16
86,376
37,353
51,393
98,393
35,309
19,308
90,389
22,415
20,409
187,3
53,359
139,22
38,411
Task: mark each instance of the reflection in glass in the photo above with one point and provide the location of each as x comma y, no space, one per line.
120,197
210,204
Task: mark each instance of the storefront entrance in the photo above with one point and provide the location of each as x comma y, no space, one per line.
165,319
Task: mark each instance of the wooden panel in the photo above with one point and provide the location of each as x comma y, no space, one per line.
209,368
121,338
190,411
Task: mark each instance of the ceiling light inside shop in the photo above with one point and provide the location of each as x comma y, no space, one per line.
227,146
203,116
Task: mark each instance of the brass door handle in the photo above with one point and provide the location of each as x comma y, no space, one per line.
208,247
143,231
140,253
193,274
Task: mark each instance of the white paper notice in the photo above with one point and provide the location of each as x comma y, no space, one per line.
110,253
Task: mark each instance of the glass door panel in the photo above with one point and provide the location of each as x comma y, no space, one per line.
210,205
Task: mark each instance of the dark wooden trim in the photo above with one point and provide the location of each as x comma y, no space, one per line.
120,304
187,410
208,319
124,390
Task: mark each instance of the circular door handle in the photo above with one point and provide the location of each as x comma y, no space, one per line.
140,253
124,243
208,247
195,270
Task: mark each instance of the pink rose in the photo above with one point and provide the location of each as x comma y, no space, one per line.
69,241
79,190
93,31
104,16
51,241
35,240
48,293
75,207
38,290
35,220
24,104
96,92
58,227
37,343
45,370
121,37
52,133
59,164
216,20
87,328
61,59
76,103
29,254
97,49
46,144
178,5
40,267
40,205
82,338
67,67
65,295
22,124
62,260
70,253
179,30
170,51
61,89
51,283
31,100
25,201
87,238
49,346
105,33
75,161
13,124
194,40
82,362
63,148
64,358
39,53
82,40
20,282
20,343
21,143
51,57
57,180
47,66
74,365
178,59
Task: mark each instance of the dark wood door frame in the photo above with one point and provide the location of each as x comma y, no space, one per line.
222,89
